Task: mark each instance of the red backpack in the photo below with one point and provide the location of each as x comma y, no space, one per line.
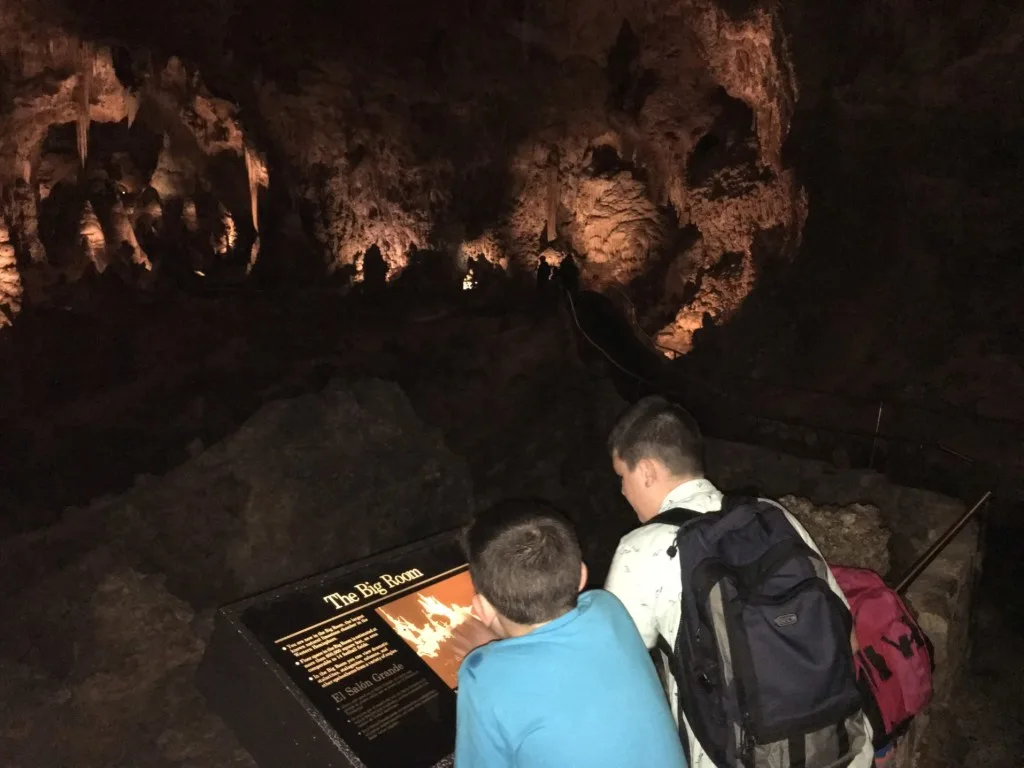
896,659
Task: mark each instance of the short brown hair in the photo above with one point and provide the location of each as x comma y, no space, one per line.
654,428
525,559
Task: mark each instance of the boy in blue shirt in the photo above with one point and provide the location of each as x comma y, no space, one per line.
569,682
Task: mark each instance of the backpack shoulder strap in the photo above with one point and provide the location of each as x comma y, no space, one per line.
679,516
734,501
676,516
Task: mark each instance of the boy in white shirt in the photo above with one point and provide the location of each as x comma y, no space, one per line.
657,451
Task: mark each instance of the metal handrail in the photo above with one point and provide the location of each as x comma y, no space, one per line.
761,383
940,544
876,435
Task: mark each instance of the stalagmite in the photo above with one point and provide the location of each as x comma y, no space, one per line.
189,216
169,178
259,176
84,95
123,237
91,238
10,278
223,239
256,172
254,254
149,213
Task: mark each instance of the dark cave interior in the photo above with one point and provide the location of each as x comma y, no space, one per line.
800,211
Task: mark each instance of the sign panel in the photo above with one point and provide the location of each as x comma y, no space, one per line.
367,649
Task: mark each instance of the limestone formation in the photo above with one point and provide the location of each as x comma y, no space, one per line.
254,254
174,177
257,175
189,216
731,209
53,169
84,97
749,56
616,226
224,234
149,214
93,242
10,278
392,164
122,241
24,223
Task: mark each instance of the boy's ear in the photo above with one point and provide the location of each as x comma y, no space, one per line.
483,610
648,471
583,576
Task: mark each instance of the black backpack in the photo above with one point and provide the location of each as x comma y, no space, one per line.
763,661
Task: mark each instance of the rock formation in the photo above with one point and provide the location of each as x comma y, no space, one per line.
264,524
10,278
123,242
93,240
58,78
657,142
387,158
853,535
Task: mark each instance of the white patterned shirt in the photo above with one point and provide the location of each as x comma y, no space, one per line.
647,581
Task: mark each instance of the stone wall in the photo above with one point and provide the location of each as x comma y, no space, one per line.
870,515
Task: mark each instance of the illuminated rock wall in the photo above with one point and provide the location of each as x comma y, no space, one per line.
495,132
91,193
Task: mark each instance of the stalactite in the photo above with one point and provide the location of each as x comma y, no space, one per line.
84,96
10,278
131,100
91,237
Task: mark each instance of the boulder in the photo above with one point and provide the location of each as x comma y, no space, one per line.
851,534
304,485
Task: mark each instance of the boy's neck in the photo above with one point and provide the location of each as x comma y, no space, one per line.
514,629
673,483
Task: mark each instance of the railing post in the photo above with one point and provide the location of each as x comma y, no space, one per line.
874,441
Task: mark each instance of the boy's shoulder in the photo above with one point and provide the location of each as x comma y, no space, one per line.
647,539
501,658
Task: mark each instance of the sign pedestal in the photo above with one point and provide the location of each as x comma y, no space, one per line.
353,668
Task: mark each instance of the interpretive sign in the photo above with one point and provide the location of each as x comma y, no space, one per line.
351,668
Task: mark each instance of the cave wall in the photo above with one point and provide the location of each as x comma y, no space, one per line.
683,151
463,131
907,138
102,155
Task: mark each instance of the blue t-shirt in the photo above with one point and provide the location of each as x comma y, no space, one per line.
580,691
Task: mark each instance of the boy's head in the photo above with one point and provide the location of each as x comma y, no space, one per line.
654,446
526,565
